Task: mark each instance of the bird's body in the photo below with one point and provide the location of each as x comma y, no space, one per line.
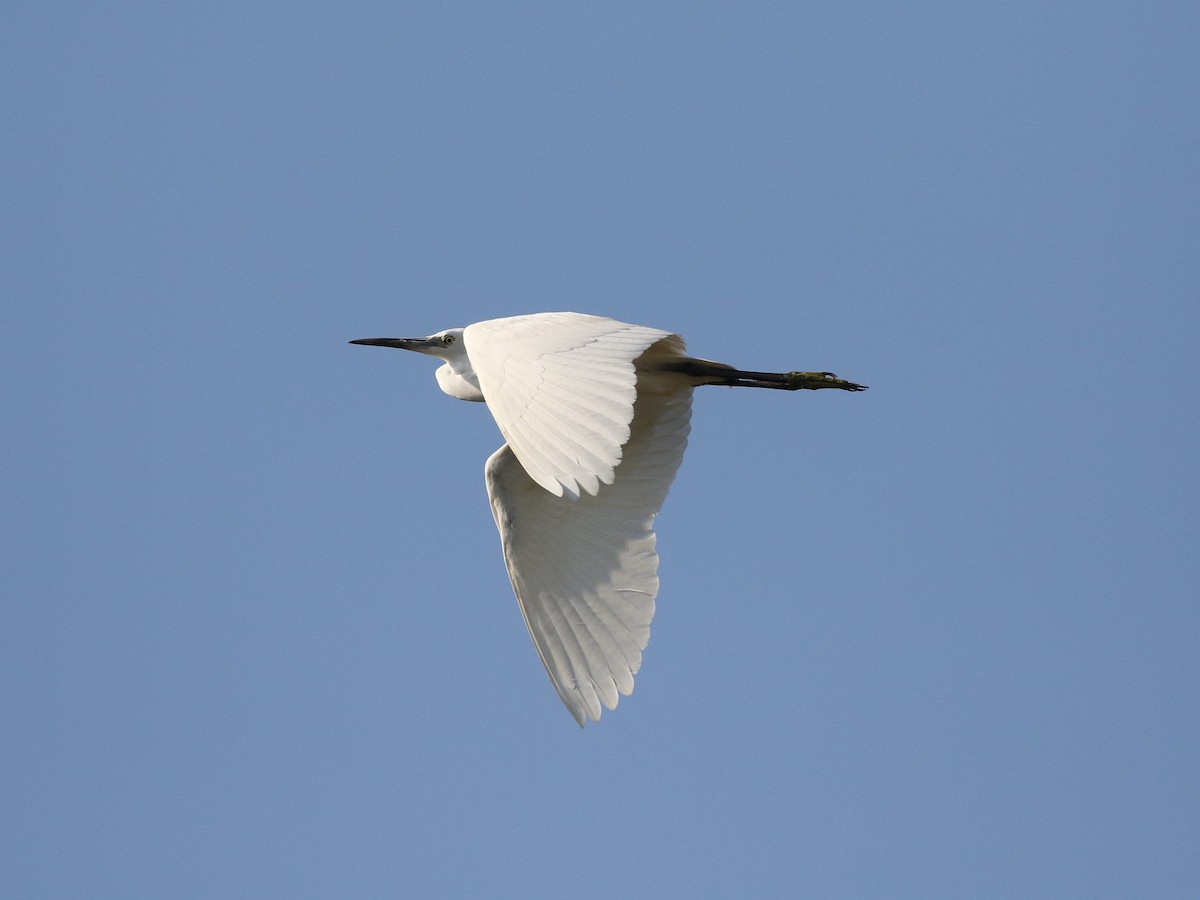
595,414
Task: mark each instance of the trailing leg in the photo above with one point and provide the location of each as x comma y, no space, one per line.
706,372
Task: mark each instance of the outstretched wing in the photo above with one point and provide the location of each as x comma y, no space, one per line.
561,386
585,570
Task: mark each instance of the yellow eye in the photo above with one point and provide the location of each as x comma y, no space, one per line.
448,340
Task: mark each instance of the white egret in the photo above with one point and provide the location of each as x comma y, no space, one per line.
595,416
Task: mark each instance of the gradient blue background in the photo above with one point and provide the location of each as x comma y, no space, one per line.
935,640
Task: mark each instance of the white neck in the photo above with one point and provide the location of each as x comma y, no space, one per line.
460,383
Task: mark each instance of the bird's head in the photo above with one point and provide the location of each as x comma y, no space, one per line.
446,344
457,376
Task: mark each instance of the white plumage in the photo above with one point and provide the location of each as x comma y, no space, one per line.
561,386
595,415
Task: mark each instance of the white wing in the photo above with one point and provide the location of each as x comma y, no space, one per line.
585,570
561,387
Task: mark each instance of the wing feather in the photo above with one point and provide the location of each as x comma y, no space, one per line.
585,569
561,387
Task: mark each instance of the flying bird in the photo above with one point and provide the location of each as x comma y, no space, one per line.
595,415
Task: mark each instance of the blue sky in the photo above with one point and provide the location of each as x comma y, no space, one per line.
935,640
